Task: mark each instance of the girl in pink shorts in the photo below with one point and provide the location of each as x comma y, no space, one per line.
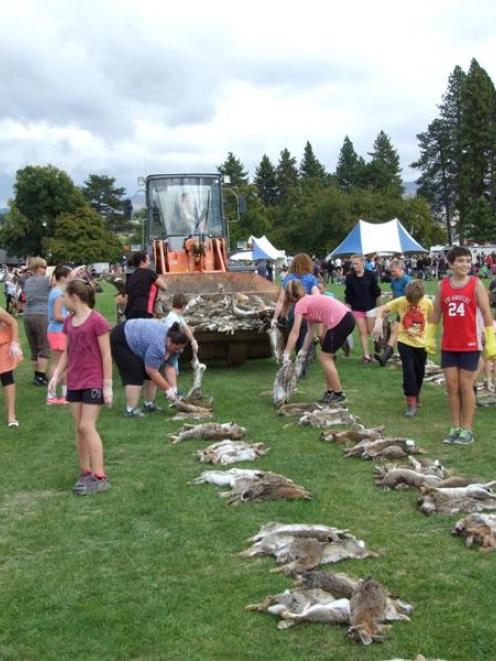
56,337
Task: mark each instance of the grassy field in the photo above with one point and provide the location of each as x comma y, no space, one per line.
150,570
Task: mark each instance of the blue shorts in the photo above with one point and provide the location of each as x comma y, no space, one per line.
463,360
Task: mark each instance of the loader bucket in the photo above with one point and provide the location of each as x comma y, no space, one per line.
238,339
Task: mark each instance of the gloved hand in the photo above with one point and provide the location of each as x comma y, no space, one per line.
194,346
171,393
490,343
52,384
273,322
285,358
108,395
15,350
377,330
430,339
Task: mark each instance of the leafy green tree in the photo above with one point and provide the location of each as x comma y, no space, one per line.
233,168
436,182
41,194
107,199
311,169
253,221
350,167
383,170
82,237
266,182
287,178
418,219
14,233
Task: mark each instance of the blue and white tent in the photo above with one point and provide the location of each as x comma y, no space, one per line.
367,238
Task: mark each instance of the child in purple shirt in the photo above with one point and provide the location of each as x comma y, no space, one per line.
88,361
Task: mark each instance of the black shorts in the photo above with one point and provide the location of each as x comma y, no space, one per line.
335,337
463,360
7,378
130,366
86,396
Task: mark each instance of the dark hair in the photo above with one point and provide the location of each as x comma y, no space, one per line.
138,257
83,289
176,334
179,301
458,251
61,271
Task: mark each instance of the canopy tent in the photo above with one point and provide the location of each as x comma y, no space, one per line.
242,256
367,238
263,249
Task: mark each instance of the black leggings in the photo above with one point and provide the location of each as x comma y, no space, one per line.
413,360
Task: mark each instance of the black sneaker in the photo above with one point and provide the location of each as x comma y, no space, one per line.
326,396
40,381
151,407
334,397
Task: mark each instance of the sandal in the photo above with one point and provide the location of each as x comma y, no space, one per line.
13,423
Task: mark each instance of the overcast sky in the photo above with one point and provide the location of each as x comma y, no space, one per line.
132,88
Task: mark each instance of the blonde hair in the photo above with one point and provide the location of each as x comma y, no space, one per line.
301,264
37,263
414,291
294,291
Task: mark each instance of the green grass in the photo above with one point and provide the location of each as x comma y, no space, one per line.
150,570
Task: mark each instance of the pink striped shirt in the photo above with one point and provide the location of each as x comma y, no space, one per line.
320,309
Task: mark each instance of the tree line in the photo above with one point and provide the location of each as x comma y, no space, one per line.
458,156
49,215
300,205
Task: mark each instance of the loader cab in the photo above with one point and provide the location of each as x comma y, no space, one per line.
183,206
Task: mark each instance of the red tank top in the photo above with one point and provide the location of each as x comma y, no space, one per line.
461,317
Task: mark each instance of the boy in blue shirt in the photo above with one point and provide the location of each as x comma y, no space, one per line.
399,281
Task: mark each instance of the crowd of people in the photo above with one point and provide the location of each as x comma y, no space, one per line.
73,347
421,267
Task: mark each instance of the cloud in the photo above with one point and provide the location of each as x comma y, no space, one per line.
130,88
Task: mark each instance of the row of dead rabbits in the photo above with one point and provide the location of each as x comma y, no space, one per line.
323,596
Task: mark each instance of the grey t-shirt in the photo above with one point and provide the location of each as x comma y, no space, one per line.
37,290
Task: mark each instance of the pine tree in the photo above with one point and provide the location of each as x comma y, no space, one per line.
476,136
451,110
349,170
287,178
233,168
383,171
311,167
266,181
107,200
436,182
